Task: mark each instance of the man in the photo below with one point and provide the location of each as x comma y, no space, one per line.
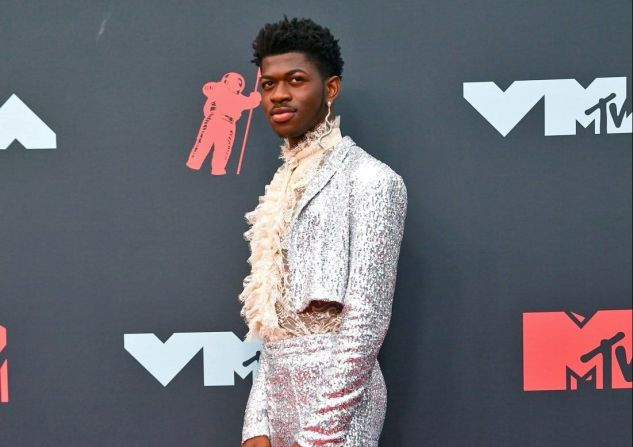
325,241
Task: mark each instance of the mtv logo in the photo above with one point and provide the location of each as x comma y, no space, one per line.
19,122
224,354
603,103
4,368
566,351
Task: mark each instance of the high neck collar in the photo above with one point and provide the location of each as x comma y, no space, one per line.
310,144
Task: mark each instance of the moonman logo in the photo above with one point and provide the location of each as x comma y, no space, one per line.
604,103
223,107
223,355
19,122
4,368
566,351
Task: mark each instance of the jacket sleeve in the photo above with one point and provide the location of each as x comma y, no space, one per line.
378,210
256,413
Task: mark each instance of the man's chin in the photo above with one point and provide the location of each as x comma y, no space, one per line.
285,131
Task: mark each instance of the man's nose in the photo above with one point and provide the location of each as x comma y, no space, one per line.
280,93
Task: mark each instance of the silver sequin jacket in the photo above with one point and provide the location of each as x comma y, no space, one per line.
343,245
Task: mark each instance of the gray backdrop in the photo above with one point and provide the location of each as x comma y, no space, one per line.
110,234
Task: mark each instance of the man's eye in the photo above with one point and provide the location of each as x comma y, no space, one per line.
266,84
296,79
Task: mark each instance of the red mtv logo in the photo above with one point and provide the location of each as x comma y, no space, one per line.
4,369
566,351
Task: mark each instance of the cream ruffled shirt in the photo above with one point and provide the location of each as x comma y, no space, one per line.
264,287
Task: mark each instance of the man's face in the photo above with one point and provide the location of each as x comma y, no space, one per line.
293,94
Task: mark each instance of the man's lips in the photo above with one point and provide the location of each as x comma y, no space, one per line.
282,114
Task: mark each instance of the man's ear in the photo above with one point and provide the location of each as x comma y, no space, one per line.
332,88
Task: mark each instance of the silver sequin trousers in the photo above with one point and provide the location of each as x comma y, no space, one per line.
295,377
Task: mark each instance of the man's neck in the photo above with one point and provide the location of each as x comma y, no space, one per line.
294,141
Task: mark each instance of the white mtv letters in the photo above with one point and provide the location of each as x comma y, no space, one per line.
566,103
18,122
223,355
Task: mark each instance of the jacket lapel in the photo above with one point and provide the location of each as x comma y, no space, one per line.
331,164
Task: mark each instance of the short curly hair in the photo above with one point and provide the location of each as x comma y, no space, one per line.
303,36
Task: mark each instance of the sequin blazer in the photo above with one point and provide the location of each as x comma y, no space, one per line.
343,243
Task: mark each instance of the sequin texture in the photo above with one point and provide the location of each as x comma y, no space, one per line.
343,244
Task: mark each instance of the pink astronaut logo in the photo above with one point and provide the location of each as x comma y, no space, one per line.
224,106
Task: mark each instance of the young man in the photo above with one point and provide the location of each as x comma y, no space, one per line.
325,240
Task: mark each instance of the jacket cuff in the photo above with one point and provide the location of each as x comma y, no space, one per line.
259,428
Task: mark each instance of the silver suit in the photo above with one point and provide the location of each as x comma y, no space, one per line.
343,243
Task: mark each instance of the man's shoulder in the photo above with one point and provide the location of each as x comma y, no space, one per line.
364,169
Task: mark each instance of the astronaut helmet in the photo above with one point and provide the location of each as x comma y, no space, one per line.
234,82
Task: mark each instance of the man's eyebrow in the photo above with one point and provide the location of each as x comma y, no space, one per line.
296,70
288,73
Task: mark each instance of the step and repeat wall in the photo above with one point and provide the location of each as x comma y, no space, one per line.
121,258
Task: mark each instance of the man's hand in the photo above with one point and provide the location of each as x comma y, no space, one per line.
257,441
295,445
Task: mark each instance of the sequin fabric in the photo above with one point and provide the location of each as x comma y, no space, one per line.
343,244
320,316
296,372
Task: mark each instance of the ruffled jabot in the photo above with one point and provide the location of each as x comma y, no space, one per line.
310,145
266,284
